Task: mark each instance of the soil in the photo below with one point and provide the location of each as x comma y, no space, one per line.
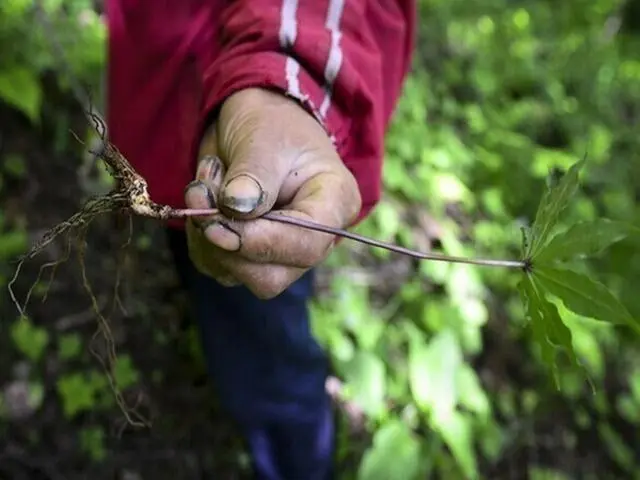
189,437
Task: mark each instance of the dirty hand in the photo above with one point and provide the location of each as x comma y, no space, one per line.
265,152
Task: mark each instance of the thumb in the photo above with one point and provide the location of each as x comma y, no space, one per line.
258,149
254,177
246,193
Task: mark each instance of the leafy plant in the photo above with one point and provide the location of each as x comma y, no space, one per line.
576,290
69,346
81,392
29,339
92,442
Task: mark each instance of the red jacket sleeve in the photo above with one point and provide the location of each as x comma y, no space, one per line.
344,60
172,64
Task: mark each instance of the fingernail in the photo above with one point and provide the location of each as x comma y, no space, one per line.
243,194
222,235
209,167
199,184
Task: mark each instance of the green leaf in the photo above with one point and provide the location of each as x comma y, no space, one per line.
76,393
526,234
395,454
472,395
549,331
387,219
29,339
124,372
12,243
584,239
69,346
553,202
20,88
433,370
365,375
621,453
457,434
584,296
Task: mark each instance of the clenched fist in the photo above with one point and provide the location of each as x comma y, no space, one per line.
265,152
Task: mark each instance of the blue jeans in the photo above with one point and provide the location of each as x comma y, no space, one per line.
268,370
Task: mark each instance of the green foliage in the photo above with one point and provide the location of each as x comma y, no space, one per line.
20,88
78,30
553,203
12,243
14,166
78,392
92,442
29,339
584,239
502,93
584,296
395,454
366,374
69,346
579,293
125,373
82,392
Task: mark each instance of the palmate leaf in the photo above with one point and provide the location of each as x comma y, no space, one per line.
553,202
579,293
584,296
584,239
549,331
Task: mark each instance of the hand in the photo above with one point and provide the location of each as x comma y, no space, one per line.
266,152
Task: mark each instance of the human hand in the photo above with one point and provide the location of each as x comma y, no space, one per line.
266,152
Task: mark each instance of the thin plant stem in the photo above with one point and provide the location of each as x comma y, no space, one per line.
311,225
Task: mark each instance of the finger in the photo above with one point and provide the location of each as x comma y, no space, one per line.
205,264
267,241
209,142
211,171
202,192
265,281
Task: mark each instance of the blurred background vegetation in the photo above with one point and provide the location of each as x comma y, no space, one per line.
438,356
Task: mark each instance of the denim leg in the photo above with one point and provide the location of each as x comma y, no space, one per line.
268,369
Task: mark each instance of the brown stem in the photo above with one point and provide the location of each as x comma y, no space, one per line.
308,224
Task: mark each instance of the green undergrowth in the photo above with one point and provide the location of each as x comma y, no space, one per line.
507,103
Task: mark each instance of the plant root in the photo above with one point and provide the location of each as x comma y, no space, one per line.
129,196
83,218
